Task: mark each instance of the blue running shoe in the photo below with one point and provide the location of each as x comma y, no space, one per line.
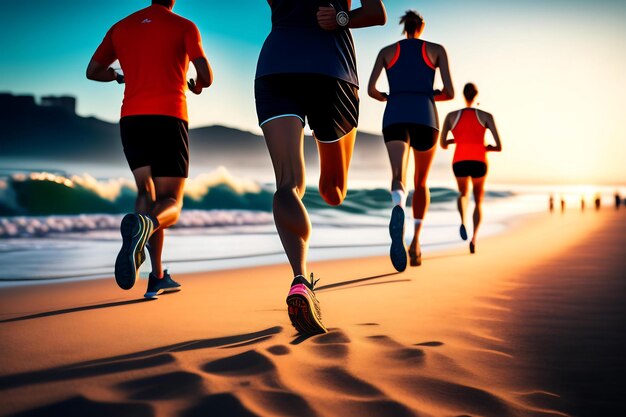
158,286
135,231
397,252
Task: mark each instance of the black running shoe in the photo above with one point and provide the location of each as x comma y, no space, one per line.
135,231
463,232
303,308
472,247
158,286
397,252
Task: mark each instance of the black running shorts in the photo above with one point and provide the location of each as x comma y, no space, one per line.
474,169
330,105
160,142
419,137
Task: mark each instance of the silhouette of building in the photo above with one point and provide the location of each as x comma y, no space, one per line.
10,104
68,103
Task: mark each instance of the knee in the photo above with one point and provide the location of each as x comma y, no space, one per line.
289,191
333,195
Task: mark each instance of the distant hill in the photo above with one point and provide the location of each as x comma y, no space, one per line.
54,132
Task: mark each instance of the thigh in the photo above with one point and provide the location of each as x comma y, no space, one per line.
422,137
332,107
463,184
169,187
284,138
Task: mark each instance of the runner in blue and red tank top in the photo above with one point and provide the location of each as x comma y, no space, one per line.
468,126
410,121
307,71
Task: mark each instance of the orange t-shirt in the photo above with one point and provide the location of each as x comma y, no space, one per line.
154,47
469,136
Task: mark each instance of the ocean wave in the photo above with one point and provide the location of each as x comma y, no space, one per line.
39,203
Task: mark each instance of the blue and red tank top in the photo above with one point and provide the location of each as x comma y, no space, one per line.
411,75
298,45
469,136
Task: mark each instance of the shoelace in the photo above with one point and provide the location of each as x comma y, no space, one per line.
313,281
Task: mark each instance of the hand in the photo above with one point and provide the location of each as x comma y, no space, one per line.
436,92
193,87
327,18
492,148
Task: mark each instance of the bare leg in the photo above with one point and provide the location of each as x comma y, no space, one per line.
478,185
399,160
335,160
463,183
166,210
285,139
421,196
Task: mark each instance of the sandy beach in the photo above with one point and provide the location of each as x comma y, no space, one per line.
531,325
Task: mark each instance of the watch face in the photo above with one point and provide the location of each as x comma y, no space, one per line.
342,19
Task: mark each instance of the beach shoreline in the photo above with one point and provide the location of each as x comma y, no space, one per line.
452,337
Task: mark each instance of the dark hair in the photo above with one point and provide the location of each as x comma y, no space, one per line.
412,21
470,91
166,3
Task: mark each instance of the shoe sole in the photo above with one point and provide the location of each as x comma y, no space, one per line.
126,264
153,295
300,308
397,252
463,232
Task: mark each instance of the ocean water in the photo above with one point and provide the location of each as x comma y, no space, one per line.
56,227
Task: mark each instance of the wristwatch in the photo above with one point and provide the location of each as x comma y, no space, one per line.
119,78
343,18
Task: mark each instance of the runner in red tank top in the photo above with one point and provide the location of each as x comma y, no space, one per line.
468,126
154,47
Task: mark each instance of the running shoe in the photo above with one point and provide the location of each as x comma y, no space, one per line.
158,286
472,247
397,252
415,258
463,232
135,231
303,308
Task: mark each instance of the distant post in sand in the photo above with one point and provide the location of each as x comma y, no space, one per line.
598,201
618,200
551,203
582,203
562,204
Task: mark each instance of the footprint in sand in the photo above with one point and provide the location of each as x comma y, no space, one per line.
397,351
278,350
246,363
331,345
168,386
430,344
80,406
224,404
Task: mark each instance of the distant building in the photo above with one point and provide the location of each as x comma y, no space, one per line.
65,102
10,104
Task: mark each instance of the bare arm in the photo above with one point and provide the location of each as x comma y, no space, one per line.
442,62
371,87
491,125
443,138
204,78
98,72
371,13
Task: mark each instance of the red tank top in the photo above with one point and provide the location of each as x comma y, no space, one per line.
469,136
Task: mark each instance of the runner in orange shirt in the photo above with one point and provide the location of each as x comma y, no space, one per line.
468,126
154,47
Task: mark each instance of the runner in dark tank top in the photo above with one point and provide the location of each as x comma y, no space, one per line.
307,73
410,121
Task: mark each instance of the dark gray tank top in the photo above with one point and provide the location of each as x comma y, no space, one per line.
298,45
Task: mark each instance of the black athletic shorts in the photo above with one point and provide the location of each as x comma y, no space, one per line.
160,142
330,105
420,137
474,169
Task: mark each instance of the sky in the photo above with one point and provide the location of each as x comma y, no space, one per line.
551,72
